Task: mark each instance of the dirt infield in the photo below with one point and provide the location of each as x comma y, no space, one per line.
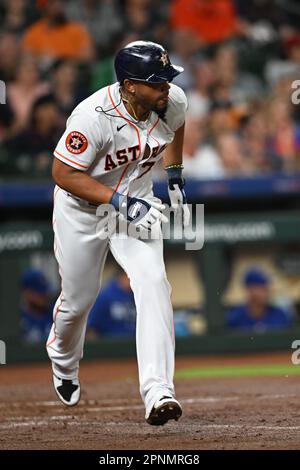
219,413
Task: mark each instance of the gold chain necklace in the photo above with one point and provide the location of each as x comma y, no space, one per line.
125,100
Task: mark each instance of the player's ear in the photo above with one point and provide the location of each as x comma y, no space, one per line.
129,86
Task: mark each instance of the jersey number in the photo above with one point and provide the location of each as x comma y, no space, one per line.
148,166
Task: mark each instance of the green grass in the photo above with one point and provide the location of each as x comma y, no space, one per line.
238,371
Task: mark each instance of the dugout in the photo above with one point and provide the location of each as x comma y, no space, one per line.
245,220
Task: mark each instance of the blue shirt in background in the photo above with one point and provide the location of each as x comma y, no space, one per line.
274,318
114,312
36,328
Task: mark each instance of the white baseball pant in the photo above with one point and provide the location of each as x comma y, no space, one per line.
81,255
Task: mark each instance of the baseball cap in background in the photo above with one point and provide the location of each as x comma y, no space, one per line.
35,279
256,277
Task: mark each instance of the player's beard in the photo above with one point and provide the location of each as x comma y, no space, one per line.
161,112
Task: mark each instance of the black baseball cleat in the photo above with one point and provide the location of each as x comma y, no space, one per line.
163,410
68,391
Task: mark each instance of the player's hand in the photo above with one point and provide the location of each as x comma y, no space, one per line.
177,195
143,214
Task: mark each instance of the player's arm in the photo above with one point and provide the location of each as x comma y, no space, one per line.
75,152
80,184
173,166
173,152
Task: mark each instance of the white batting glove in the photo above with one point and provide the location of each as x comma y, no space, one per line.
177,194
146,220
142,214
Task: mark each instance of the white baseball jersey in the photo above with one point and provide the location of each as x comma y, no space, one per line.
119,152
112,146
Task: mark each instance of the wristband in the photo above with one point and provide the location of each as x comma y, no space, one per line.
175,165
174,172
116,200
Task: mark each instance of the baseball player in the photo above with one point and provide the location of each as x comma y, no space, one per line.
106,155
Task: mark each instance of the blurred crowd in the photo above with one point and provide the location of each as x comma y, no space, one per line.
240,59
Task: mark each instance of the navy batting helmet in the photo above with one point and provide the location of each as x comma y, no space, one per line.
145,61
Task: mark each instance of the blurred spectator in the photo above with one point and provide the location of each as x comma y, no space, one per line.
254,134
17,16
102,18
9,55
142,18
114,312
281,72
36,306
231,153
25,89
242,87
233,130
260,20
212,21
253,11
224,154
283,136
65,86
200,159
257,313
279,69
222,117
184,48
199,98
35,144
54,37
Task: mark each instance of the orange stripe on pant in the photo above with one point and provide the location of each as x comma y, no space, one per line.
54,318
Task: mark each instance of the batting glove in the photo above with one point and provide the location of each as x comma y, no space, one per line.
141,213
177,194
